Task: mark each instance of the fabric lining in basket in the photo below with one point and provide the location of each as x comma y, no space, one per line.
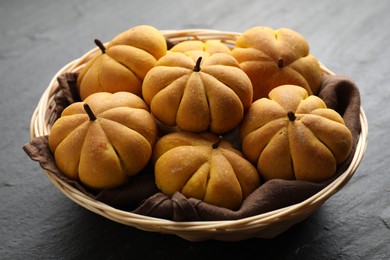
141,196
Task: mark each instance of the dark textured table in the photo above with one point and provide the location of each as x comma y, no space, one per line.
37,38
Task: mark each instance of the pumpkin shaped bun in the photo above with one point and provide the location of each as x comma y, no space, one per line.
209,46
198,91
205,167
103,140
123,63
292,135
277,57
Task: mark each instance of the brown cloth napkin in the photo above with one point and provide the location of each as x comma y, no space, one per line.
141,195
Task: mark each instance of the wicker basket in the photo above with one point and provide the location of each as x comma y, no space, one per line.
267,225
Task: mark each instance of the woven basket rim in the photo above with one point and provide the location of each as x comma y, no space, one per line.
263,225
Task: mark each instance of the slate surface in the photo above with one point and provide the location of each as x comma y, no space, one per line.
38,37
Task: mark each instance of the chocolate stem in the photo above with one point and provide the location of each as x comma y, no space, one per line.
280,63
291,116
217,143
89,112
197,65
100,45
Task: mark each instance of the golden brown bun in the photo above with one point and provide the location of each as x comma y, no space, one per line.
213,98
277,57
209,46
190,164
291,135
102,153
123,64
